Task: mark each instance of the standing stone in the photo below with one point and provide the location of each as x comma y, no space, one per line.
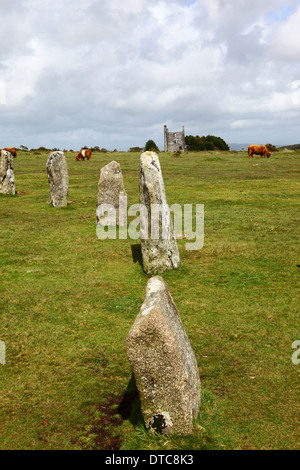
110,190
163,363
160,252
58,179
7,175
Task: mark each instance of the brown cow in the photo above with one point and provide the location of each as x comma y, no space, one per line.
258,150
84,153
12,150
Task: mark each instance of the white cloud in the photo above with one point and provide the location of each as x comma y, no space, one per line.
285,38
115,71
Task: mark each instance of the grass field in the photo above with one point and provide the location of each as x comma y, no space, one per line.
68,301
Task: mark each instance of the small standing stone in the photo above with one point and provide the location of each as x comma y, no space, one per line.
159,253
110,190
7,175
163,363
58,178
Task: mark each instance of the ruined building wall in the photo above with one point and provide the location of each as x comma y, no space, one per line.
174,141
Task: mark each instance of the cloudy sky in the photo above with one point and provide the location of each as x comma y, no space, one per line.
113,72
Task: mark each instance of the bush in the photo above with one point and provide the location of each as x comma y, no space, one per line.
271,148
151,146
210,142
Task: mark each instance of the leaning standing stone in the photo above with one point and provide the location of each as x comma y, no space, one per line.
7,175
163,363
58,179
110,190
158,243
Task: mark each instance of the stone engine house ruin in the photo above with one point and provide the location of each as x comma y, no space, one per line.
174,141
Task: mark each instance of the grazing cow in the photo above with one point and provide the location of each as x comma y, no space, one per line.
258,150
84,153
12,150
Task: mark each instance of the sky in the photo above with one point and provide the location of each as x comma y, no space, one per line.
111,73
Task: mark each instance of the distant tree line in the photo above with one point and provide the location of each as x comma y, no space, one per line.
45,149
291,147
210,142
135,149
150,146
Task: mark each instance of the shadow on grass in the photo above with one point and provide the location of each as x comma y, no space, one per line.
202,437
130,406
136,251
8,195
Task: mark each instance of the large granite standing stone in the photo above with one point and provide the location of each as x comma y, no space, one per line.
159,253
163,363
110,190
58,178
7,175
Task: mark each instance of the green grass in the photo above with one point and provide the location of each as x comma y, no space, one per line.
68,301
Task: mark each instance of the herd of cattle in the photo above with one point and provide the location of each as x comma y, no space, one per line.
87,153
84,153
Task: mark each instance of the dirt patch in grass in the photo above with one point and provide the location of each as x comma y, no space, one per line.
104,431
